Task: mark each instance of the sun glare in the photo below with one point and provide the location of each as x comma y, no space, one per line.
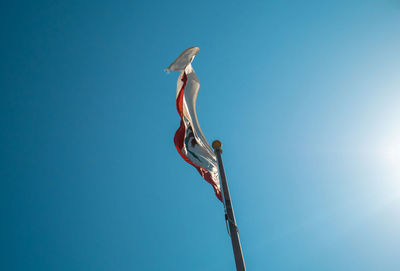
389,153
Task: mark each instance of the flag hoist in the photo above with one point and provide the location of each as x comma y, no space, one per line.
194,148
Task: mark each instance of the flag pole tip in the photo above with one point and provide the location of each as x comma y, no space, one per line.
216,145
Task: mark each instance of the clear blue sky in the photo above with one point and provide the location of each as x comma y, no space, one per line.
304,95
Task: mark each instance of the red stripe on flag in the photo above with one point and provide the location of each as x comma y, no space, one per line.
179,99
180,137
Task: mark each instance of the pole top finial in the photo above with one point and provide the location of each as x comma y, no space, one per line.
216,145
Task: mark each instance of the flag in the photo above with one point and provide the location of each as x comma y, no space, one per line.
189,139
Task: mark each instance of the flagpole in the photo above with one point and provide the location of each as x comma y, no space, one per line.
229,215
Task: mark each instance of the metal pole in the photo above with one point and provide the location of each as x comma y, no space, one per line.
229,215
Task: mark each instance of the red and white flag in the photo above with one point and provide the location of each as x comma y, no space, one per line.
189,139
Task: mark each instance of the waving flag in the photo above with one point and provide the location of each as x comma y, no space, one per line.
189,139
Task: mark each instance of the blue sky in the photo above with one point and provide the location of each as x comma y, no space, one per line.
304,95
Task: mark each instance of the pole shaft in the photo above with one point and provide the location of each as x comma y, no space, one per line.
237,248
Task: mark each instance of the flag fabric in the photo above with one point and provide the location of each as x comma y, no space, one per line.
189,139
